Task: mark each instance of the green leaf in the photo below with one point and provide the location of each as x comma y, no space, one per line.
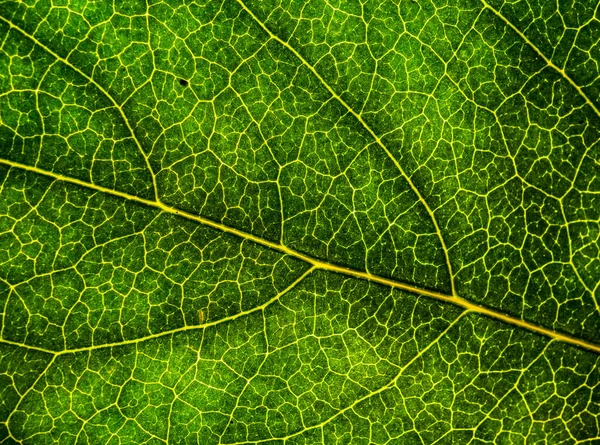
299,222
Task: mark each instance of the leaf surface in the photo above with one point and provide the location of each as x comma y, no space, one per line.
299,222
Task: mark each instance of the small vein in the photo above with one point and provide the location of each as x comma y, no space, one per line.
383,388
39,377
134,341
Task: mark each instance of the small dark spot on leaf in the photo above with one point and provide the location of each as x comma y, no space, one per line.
183,82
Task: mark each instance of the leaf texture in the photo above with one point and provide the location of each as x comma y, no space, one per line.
278,221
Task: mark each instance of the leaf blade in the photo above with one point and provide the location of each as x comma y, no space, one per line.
323,191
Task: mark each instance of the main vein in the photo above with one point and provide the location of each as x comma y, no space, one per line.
317,263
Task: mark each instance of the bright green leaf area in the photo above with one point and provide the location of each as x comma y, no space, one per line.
299,222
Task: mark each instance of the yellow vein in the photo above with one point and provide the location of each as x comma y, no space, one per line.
380,390
26,346
262,307
551,64
200,325
97,85
195,327
366,127
319,264
190,327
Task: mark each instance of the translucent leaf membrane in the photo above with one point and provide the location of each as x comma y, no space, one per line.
230,222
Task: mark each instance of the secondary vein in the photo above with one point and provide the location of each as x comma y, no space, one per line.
368,129
549,62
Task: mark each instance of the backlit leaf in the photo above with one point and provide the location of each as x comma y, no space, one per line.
353,222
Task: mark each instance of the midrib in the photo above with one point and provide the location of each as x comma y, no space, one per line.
314,262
